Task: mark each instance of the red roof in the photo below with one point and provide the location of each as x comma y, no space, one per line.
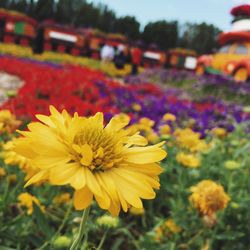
229,37
242,10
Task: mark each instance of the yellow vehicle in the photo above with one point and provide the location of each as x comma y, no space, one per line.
230,52
233,58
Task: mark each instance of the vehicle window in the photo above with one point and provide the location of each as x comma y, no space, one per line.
224,49
241,49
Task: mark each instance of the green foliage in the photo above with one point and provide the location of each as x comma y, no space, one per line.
44,9
200,37
162,33
59,224
128,26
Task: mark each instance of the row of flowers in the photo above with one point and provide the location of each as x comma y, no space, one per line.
219,86
87,91
61,58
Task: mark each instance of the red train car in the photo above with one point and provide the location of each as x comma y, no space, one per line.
16,28
96,39
63,39
182,59
153,57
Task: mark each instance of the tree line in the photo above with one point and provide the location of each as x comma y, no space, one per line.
80,13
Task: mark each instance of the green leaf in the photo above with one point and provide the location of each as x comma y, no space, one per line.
229,235
6,248
42,221
117,244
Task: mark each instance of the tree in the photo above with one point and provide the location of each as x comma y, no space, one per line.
107,18
18,5
162,33
86,16
4,3
44,9
128,26
200,37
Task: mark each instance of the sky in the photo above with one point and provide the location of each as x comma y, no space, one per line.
215,12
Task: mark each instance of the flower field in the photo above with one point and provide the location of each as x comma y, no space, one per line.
156,161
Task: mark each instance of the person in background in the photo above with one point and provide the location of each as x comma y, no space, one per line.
136,57
107,53
120,57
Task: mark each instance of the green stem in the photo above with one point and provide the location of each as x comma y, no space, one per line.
102,240
194,237
81,232
59,229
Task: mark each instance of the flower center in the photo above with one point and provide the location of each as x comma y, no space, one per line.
97,149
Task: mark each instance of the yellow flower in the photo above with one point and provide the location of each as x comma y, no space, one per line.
219,132
136,107
105,163
169,117
146,122
14,159
158,233
188,160
26,200
171,225
107,221
62,242
232,165
234,205
165,129
187,138
11,157
124,118
144,126
2,172
62,198
152,137
8,122
166,229
137,211
208,197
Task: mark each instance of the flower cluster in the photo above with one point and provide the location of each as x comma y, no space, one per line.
13,159
208,197
89,91
8,122
188,160
47,57
166,229
27,200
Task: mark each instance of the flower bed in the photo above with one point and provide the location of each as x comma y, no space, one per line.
60,58
87,91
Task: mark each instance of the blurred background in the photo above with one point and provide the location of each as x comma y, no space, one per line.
177,70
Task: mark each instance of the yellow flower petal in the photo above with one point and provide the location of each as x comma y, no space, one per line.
92,183
87,155
137,140
129,193
40,176
82,198
78,180
115,124
144,155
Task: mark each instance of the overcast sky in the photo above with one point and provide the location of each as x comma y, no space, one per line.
216,12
